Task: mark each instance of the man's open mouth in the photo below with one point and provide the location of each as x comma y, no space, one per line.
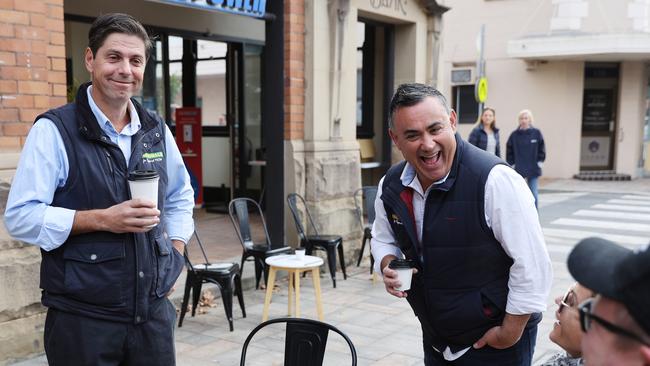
431,159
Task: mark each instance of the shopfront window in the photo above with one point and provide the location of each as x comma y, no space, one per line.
464,103
255,152
211,82
365,79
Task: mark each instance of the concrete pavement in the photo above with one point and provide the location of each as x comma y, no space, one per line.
383,328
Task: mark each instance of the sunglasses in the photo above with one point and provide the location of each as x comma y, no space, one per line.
586,317
568,300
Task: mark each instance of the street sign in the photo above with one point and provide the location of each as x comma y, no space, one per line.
481,90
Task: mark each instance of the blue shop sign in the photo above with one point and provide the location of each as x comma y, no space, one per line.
251,8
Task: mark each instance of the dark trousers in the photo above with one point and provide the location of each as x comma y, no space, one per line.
521,354
74,340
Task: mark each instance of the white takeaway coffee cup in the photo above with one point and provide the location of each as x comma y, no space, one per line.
144,184
404,271
300,253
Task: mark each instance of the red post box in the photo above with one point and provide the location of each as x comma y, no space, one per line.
188,139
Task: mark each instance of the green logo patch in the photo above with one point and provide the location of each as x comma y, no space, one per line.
152,157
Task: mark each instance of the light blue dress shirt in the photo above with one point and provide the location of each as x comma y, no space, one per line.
43,167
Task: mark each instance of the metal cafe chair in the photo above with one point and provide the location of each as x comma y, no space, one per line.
226,276
240,210
329,243
305,341
364,201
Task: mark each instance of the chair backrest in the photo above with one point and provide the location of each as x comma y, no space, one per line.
239,209
296,204
188,263
364,197
305,341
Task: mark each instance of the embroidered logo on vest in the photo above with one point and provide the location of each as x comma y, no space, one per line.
152,157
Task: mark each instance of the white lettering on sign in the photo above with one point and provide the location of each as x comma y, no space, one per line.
254,8
397,5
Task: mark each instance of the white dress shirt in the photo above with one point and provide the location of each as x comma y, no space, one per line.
511,214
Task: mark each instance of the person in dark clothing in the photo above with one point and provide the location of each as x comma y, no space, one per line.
468,223
526,152
485,135
616,322
108,261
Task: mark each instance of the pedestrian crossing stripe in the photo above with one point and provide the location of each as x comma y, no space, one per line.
635,197
605,206
613,215
599,224
555,248
577,235
630,202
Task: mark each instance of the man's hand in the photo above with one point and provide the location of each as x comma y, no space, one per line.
506,334
132,216
390,277
180,247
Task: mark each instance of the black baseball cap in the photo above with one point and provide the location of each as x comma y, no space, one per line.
615,272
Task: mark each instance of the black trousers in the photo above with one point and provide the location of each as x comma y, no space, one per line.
74,340
520,354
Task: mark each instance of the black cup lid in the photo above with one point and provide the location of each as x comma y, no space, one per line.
143,174
400,264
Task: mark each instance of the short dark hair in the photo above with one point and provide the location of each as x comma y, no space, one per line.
410,94
107,24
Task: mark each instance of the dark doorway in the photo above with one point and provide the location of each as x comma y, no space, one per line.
599,110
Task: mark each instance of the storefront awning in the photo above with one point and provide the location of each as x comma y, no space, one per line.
251,8
582,46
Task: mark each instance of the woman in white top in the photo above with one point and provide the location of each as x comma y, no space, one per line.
485,135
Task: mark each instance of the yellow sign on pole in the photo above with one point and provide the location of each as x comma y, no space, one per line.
481,90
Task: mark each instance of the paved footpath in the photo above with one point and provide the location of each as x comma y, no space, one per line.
383,328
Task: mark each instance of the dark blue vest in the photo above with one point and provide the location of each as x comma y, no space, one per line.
101,274
462,285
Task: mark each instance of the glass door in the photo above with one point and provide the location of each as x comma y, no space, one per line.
599,109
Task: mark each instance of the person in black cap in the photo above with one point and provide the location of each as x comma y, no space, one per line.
617,321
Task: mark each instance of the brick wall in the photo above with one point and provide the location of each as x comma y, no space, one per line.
32,65
294,69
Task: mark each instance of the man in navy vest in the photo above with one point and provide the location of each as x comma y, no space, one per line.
105,271
468,222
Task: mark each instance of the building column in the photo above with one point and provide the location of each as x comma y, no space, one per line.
322,158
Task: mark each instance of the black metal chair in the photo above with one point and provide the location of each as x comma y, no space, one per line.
305,341
239,210
364,200
329,243
226,276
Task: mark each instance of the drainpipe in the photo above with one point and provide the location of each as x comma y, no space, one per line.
339,10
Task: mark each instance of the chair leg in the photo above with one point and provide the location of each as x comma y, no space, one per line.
196,295
241,265
226,297
259,268
309,249
342,260
363,246
331,262
265,271
240,294
186,298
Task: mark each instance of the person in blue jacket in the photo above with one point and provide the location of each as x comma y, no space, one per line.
525,150
485,135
